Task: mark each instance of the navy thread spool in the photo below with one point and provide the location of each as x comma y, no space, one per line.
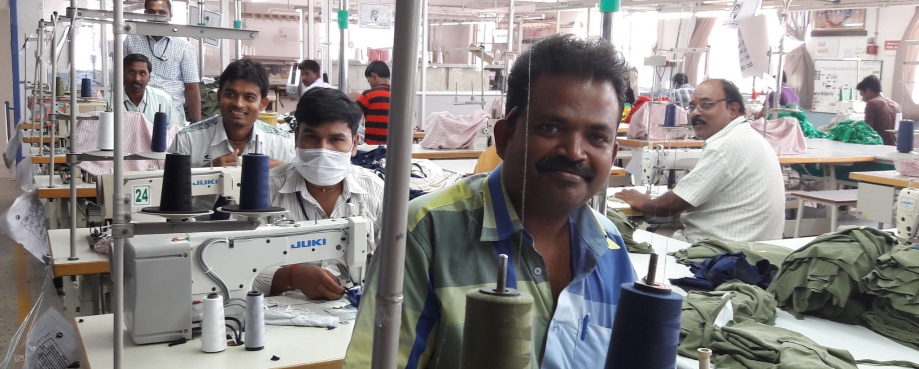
670,116
253,194
86,87
905,136
158,142
176,193
646,329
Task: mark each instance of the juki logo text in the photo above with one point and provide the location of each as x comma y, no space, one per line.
309,243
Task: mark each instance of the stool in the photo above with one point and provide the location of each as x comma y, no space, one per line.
832,199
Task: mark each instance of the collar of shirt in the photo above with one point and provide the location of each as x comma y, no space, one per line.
143,100
724,131
294,182
257,135
500,220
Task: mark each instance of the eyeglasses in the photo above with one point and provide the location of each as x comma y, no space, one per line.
704,106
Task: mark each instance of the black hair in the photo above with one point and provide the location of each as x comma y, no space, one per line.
168,4
784,77
310,65
594,59
246,69
133,58
323,105
732,94
680,79
378,67
871,82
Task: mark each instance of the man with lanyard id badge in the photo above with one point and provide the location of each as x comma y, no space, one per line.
142,98
320,184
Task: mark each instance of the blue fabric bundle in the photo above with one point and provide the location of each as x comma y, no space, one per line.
721,268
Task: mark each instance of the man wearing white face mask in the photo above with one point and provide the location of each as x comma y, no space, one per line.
319,185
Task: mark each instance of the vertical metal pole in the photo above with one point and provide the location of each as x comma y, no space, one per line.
55,20
39,105
224,44
74,108
607,26
14,54
510,28
326,45
776,96
118,196
200,40
425,59
395,192
311,50
342,43
105,67
238,23
520,37
300,33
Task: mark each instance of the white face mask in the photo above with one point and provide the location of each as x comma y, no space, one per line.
323,167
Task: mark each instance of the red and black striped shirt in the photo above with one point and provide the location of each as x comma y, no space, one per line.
375,104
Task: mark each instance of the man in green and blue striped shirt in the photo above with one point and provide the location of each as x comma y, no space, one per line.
557,142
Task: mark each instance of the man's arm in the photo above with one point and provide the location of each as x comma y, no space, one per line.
665,205
272,162
193,99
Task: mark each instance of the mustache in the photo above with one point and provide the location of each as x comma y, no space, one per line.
558,163
697,121
136,85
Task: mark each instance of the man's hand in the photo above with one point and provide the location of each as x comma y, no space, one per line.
635,199
316,283
227,160
272,162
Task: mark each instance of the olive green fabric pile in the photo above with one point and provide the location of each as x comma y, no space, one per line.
627,229
711,247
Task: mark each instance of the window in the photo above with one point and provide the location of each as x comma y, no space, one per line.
723,58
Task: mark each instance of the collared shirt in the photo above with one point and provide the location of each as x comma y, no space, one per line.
207,140
150,104
453,241
736,190
175,63
881,114
318,83
786,97
286,185
682,96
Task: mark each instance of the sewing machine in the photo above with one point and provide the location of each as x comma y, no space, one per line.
145,188
908,212
850,110
167,275
483,138
657,163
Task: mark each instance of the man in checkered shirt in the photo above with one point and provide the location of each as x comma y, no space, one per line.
175,63
682,90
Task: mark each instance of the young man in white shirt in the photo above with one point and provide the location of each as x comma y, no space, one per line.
311,76
142,98
735,192
219,141
319,185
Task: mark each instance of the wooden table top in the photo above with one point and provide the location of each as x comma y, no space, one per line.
883,177
88,262
670,144
820,156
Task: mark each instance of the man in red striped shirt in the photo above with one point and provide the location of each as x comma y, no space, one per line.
375,103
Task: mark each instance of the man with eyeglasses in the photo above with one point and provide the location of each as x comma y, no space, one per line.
175,63
735,192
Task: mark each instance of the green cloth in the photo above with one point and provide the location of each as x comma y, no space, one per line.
749,303
711,247
627,229
210,106
806,127
859,132
892,323
896,277
824,278
751,345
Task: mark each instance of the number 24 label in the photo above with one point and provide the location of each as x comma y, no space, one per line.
141,195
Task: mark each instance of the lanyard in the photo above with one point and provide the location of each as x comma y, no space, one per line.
164,57
141,101
303,208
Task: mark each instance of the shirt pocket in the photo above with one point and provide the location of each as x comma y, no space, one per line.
575,346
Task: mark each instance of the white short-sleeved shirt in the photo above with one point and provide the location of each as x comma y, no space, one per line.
736,190
207,140
175,63
288,190
150,104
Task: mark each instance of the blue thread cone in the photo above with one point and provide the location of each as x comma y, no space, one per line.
86,87
253,194
158,142
905,136
670,116
646,330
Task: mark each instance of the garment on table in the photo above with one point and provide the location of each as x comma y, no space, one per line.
638,103
175,63
626,111
736,191
787,96
682,96
892,323
207,140
375,105
824,277
896,277
806,127
859,132
725,267
755,251
453,240
154,99
138,132
646,123
784,134
426,176
881,115
627,228
444,130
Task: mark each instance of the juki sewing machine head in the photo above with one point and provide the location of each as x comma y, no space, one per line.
165,274
655,163
908,212
483,138
145,187
850,110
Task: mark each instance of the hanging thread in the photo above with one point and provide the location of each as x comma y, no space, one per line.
905,136
254,188
158,142
255,321
59,86
105,139
86,87
213,328
670,116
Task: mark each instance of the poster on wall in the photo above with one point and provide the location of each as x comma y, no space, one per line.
742,9
827,48
835,80
839,22
753,47
375,15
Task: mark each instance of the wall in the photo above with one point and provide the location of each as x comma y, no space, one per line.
6,80
451,38
891,27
